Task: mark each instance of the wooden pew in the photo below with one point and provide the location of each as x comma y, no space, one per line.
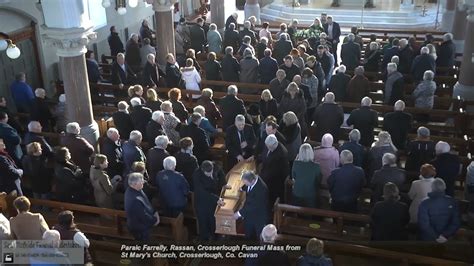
88,219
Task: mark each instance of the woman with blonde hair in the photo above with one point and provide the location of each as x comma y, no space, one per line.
306,178
293,100
136,91
268,105
152,100
191,54
291,130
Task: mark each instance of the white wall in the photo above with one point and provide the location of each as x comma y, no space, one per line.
14,15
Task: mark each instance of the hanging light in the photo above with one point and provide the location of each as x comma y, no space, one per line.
121,10
3,45
106,3
132,3
13,52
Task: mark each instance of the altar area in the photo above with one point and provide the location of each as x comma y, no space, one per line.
385,14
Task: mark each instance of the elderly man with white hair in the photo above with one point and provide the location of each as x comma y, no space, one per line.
266,256
358,151
420,150
406,56
40,110
205,124
279,84
422,63
112,149
140,115
156,155
389,172
446,51
151,72
154,127
248,32
122,120
448,166
398,124
231,106
34,135
350,53
438,215
132,152
141,216
328,117
365,119
240,141
394,85
50,253
345,184
81,150
425,92
173,188
274,167
339,83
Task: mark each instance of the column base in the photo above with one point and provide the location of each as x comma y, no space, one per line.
465,92
459,45
91,133
252,10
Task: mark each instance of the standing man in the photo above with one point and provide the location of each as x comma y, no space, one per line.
350,53
115,44
333,30
11,138
140,213
198,36
22,93
254,211
240,141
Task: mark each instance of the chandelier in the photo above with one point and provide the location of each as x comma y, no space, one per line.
13,52
120,5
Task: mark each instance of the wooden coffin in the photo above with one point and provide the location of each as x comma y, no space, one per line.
233,198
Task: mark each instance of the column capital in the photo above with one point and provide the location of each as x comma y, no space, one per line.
162,5
69,42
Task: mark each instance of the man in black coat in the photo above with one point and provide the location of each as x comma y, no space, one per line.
398,124
255,209
156,155
122,120
230,66
10,174
93,72
240,141
201,144
389,172
231,38
328,117
365,120
122,74
34,135
248,32
390,52
186,162
282,48
350,53
339,83
154,128
115,44
394,85
112,149
231,106
275,167
40,110
151,72
141,216
390,217
405,55
446,51
208,182
198,36
290,69
140,115
232,19
278,84
267,68
422,63
333,31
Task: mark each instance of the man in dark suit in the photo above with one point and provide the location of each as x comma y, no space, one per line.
231,19
248,32
398,124
390,52
405,56
230,66
333,30
350,53
345,184
339,83
255,209
140,213
279,84
156,155
112,149
151,72
40,110
186,162
230,106
231,38
422,63
365,120
208,182
267,256
282,48
198,36
132,152
328,118
268,67
93,72
446,51
275,167
122,120
201,144
140,115
122,74
240,141
290,69
115,44
389,217
271,127
173,188
34,135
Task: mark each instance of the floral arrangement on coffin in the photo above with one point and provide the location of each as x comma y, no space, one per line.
311,32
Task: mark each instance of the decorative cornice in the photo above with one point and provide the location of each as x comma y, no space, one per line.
162,5
69,42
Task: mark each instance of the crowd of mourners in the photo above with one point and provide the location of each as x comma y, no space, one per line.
306,85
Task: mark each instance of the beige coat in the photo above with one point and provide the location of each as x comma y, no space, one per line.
28,226
102,187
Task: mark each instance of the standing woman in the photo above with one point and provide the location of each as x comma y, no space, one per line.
191,77
103,187
268,104
291,130
214,39
306,178
34,165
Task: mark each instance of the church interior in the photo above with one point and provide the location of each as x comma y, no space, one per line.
237,132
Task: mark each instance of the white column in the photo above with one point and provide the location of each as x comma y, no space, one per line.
252,8
164,29
448,15
69,31
459,26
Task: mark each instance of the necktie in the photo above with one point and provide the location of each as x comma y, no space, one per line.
241,135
